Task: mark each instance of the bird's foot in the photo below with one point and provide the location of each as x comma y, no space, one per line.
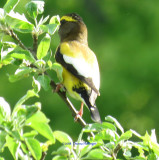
80,113
58,87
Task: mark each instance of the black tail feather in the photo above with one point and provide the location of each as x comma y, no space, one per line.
89,97
95,114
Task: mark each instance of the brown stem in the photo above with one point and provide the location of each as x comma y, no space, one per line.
70,106
116,150
15,37
35,43
43,156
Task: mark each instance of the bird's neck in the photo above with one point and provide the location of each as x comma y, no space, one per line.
80,37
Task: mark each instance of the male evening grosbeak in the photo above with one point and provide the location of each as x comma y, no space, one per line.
80,74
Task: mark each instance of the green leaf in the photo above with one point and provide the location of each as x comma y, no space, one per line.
23,113
95,154
38,117
34,147
34,8
106,135
49,64
24,148
43,20
20,73
78,141
5,110
107,125
29,94
63,138
2,18
96,127
139,145
55,20
5,60
53,25
10,5
48,56
60,158
2,140
44,81
127,154
22,54
152,156
136,134
31,134
36,85
125,136
153,136
39,122
85,150
58,69
19,22
150,142
13,146
154,144
43,47
49,28
63,151
40,63
110,146
118,125
9,44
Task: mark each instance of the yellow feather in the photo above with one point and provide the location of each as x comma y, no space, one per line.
75,49
65,48
70,81
68,18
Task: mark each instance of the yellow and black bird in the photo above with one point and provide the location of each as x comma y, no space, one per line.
80,74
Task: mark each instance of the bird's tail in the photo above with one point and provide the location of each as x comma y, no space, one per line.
95,114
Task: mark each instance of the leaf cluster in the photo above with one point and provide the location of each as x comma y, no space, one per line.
35,61
109,141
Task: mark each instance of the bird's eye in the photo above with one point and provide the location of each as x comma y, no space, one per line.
62,22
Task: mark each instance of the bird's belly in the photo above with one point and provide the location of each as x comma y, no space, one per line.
70,81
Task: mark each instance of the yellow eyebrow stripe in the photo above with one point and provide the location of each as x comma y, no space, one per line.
67,18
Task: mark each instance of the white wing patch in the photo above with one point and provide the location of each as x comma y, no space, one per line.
84,69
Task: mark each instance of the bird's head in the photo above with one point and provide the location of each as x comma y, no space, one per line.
72,27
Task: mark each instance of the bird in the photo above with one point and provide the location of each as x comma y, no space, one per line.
81,77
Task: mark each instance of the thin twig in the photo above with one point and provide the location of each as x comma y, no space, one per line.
35,43
43,156
70,106
116,150
15,37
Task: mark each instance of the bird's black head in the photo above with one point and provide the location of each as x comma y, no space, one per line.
72,27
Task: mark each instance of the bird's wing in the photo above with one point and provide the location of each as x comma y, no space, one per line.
78,59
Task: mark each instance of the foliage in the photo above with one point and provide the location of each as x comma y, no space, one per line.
108,139
21,128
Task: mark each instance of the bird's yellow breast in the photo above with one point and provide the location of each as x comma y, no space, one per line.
70,82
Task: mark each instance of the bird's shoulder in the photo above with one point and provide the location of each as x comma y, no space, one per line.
77,50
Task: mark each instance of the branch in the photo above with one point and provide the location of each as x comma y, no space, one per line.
43,156
15,37
116,150
35,43
70,106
